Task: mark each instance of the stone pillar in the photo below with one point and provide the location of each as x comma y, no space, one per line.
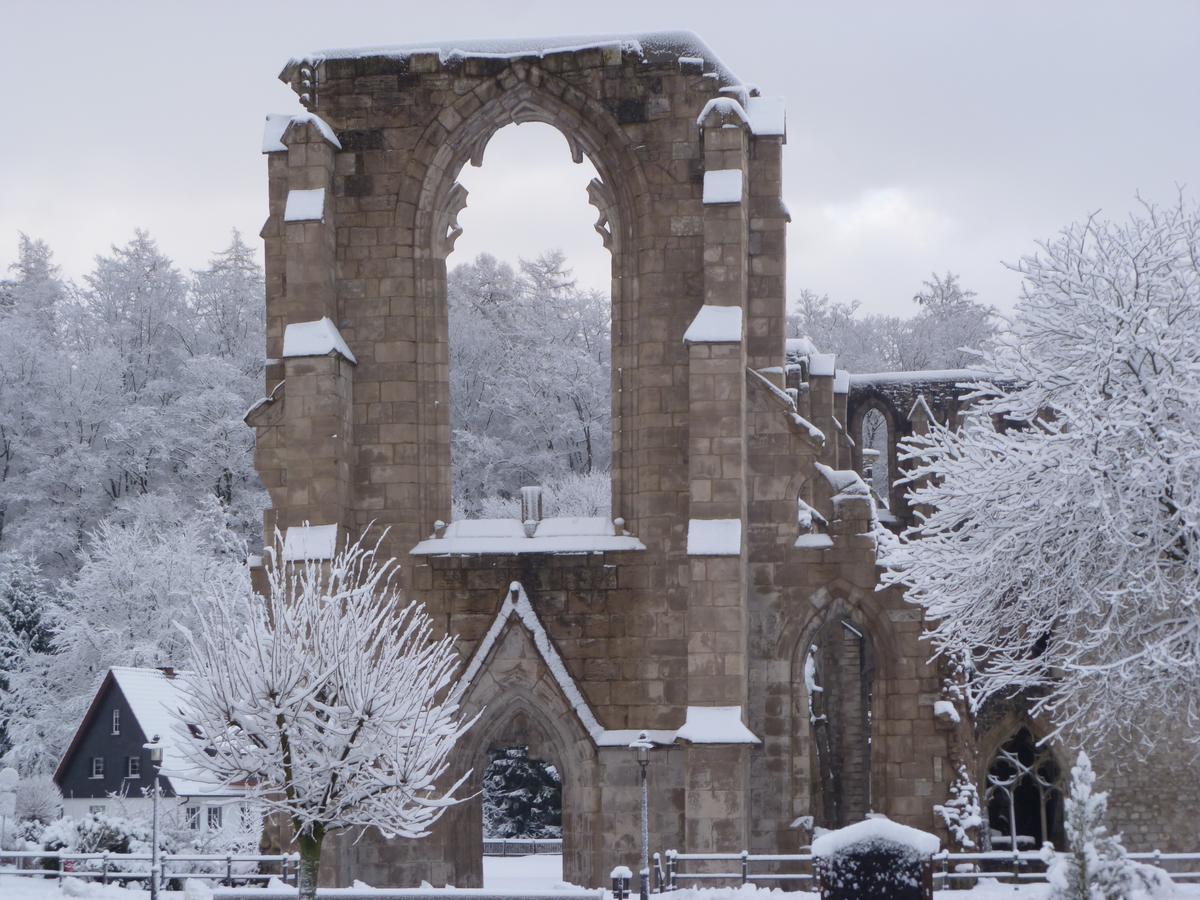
716,780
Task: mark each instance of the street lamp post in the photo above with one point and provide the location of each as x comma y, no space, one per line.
156,758
642,747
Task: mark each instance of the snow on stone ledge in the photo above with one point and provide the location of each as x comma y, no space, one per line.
304,542
722,106
823,364
841,381
305,206
813,542
714,537
723,186
876,829
318,338
277,124
845,482
767,116
944,709
566,534
715,325
715,725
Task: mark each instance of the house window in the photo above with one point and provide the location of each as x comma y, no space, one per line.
192,815
97,810
214,818
133,767
116,725
97,766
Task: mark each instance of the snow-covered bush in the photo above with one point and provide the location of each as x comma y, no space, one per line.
1095,866
98,833
1062,548
38,799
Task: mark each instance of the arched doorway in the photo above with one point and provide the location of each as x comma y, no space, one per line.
1024,795
839,678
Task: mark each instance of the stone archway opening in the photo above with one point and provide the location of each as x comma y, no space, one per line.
875,439
522,796
1024,795
530,337
839,679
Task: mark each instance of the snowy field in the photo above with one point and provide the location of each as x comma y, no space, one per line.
518,873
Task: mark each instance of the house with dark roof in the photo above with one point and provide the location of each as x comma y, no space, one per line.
107,769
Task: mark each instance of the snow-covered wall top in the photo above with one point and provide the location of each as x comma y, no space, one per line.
715,324
567,534
317,338
873,830
653,46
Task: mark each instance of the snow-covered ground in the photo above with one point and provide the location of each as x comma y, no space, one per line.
520,873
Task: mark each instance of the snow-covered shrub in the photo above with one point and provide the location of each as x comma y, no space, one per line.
961,812
876,859
38,799
1095,866
97,833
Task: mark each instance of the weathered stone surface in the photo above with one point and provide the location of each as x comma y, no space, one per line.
698,433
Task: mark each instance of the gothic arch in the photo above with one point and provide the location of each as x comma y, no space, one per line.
522,706
895,431
832,729
526,93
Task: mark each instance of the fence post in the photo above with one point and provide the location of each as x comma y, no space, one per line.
658,873
61,862
1016,868
672,869
745,866
283,869
104,868
228,870
620,882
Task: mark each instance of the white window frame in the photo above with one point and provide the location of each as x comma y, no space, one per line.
97,767
96,809
211,813
116,721
133,767
191,816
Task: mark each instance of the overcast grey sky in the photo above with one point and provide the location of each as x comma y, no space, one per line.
921,135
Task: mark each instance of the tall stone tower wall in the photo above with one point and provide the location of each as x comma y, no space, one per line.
742,545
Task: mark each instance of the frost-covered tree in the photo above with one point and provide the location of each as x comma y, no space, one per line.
530,373
1096,867
949,325
1062,550
141,571
331,696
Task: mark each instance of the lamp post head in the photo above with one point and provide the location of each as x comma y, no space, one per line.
156,750
642,746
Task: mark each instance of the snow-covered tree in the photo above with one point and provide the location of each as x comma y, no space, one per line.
330,696
1062,550
949,324
530,373
1096,867
522,797
141,570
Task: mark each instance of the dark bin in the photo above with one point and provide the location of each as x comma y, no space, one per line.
876,859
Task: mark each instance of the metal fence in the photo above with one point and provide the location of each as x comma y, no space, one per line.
521,846
120,867
673,870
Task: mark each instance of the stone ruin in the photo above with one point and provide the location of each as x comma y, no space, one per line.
730,608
